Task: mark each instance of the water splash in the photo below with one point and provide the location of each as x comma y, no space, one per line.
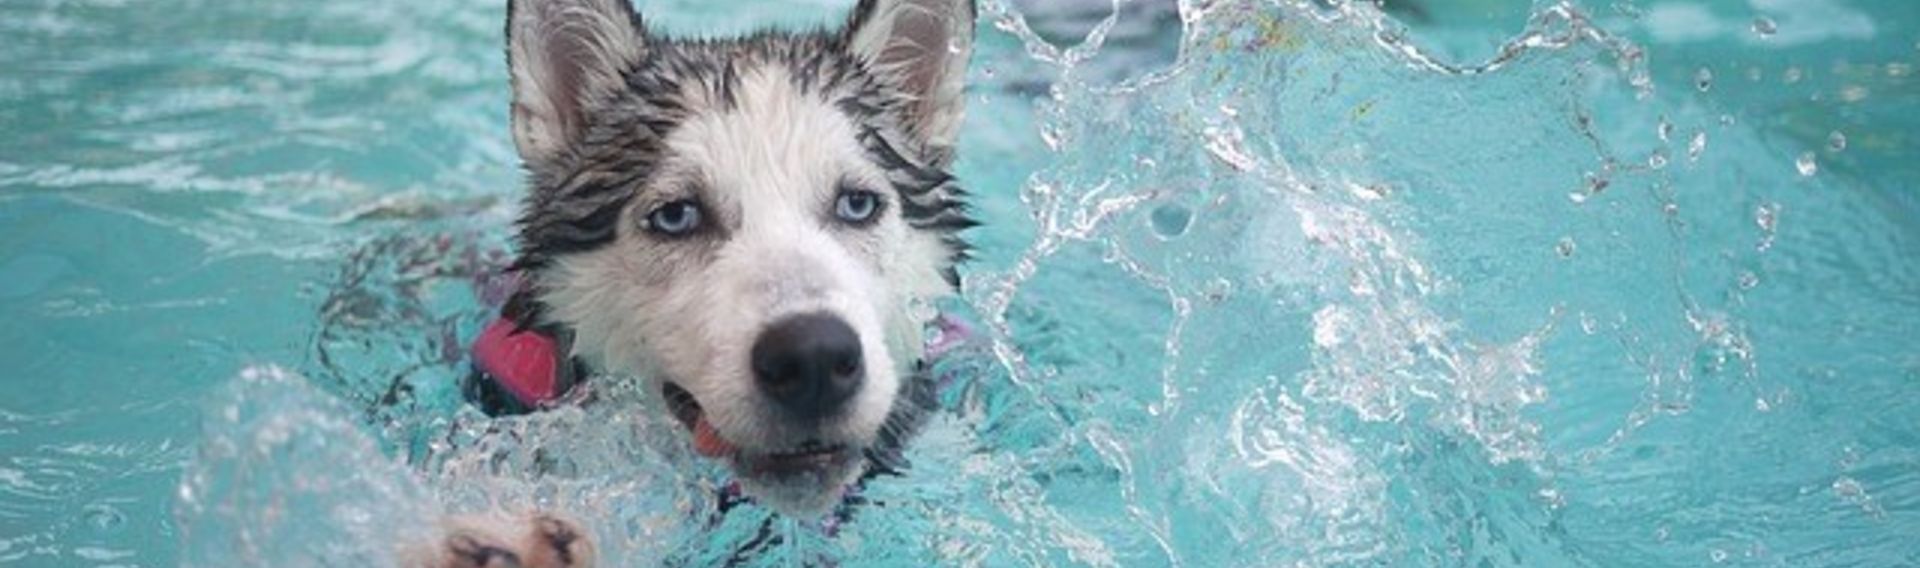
1303,288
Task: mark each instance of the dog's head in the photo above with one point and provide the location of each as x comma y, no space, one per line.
756,225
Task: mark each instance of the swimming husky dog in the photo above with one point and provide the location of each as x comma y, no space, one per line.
756,226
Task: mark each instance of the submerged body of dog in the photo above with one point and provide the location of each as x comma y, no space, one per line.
757,226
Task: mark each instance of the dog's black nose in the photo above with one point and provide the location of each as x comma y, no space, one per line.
810,364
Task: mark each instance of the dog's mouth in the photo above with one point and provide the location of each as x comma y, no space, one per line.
812,458
706,440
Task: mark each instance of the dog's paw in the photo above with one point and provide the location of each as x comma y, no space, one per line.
558,543
536,541
472,550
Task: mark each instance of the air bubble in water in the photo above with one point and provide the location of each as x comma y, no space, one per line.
1748,280
1170,221
1806,165
1697,146
1658,160
1666,129
1793,75
1837,141
1764,26
1565,247
1703,79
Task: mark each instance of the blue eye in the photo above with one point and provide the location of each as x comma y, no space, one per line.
674,219
856,206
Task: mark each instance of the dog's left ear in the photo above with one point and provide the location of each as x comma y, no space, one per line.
922,47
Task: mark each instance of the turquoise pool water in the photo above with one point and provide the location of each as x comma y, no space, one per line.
1477,282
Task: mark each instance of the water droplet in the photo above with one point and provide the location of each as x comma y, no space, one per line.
1847,487
1766,216
1658,160
1806,165
1588,325
1367,192
1553,497
1793,75
1764,26
1577,197
1565,247
1748,280
1836,141
1218,290
1703,79
1761,404
1849,456
1170,221
1051,137
1697,146
1718,556
1666,129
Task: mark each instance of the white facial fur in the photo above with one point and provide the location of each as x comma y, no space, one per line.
767,171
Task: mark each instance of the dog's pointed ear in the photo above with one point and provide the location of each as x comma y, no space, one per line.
561,54
922,47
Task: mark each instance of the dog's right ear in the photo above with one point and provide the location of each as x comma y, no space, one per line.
561,54
921,46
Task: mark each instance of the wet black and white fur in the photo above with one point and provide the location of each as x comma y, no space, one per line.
689,195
